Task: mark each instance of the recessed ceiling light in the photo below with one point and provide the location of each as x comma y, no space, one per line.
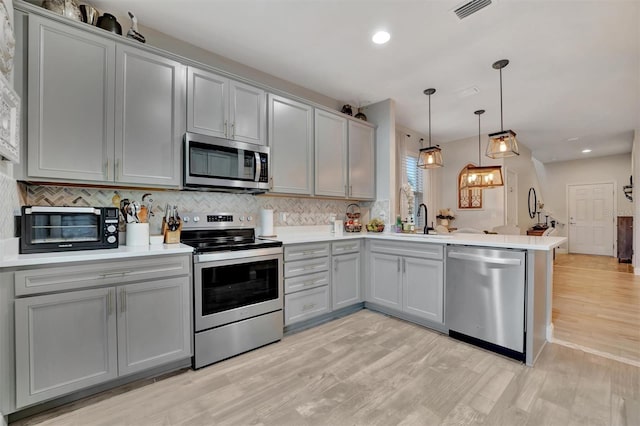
586,151
381,37
572,139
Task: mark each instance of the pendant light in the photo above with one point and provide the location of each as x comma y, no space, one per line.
503,143
430,157
481,177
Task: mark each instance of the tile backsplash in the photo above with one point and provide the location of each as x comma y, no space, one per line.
288,211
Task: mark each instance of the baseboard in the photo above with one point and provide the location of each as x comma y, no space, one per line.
562,251
597,352
550,332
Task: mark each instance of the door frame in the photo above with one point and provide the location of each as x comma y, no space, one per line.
614,210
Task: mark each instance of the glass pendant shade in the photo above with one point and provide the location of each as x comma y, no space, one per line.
481,177
430,158
502,144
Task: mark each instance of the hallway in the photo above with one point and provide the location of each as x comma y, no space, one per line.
596,305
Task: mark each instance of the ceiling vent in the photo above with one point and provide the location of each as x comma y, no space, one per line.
470,8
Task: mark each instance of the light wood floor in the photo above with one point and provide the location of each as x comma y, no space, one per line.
370,369
596,304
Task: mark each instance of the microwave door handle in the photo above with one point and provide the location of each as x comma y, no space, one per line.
43,209
258,167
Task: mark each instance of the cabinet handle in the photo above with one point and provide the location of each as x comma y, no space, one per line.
398,264
225,129
308,283
350,191
110,303
345,190
335,265
114,274
308,306
107,169
404,265
233,131
117,175
123,300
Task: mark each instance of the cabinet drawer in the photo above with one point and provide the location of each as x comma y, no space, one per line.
303,267
413,249
303,282
49,279
351,246
306,251
306,304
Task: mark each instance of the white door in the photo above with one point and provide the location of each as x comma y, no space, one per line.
591,219
512,198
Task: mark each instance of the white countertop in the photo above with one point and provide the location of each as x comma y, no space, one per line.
320,234
11,260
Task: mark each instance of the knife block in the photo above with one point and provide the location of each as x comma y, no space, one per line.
171,237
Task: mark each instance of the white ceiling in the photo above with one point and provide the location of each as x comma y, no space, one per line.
574,70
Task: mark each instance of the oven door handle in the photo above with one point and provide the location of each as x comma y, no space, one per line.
258,166
43,209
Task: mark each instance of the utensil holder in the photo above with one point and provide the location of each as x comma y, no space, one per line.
137,234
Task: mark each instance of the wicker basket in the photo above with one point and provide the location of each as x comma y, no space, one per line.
374,228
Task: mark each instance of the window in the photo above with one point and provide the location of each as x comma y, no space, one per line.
408,149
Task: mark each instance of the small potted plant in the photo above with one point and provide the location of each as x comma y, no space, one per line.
445,215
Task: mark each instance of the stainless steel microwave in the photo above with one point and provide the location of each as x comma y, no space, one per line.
225,165
51,229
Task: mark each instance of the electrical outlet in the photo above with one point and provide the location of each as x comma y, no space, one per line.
283,216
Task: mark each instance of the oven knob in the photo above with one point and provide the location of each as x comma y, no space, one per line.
185,219
196,218
249,218
241,218
111,239
111,229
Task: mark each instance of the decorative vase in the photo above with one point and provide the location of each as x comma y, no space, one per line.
346,109
360,115
110,23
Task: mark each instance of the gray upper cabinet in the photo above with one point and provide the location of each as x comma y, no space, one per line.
345,157
150,118
218,106
361,161
291,141
100,111
331,154
71,92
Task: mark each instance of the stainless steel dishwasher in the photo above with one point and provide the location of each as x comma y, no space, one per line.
485,298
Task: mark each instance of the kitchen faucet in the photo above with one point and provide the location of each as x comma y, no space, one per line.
427,228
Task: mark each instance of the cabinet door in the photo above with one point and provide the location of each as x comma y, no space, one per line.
423,292
207,103
362,177
385,281
247,113
150,121
71,103
331,154
346,280
154,325
64,342
291,142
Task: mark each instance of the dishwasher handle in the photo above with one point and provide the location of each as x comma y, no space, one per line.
484,259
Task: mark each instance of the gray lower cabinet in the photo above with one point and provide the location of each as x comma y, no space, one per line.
101,111
408,278
346,272
64,342
71,340
291,143
307,280
153,324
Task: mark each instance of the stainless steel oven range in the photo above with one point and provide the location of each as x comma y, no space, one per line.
238,291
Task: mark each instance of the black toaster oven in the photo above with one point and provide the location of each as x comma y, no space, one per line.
51,229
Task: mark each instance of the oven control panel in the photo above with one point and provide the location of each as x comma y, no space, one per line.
207,220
